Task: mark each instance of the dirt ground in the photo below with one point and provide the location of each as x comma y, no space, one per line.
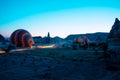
55,64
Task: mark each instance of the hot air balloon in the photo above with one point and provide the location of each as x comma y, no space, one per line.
78,40
22,38
86,41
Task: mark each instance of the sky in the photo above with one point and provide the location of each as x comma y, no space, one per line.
59,17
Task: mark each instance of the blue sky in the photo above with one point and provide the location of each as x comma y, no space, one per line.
59,17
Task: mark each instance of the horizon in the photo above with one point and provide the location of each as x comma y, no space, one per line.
61,37
60,18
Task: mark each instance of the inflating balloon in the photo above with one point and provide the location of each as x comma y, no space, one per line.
22,38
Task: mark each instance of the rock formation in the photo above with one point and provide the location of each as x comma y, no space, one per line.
115,31
48,38
114,47
2,38
114,35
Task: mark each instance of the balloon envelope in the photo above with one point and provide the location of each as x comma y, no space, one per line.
22,38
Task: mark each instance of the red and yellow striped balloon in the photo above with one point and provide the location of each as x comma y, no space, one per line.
22,38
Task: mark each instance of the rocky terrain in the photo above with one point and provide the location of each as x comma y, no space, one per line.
56,64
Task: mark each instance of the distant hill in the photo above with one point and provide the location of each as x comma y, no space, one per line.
42,40
90,36
57,40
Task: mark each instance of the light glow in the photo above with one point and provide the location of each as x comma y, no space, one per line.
2,52
46,46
